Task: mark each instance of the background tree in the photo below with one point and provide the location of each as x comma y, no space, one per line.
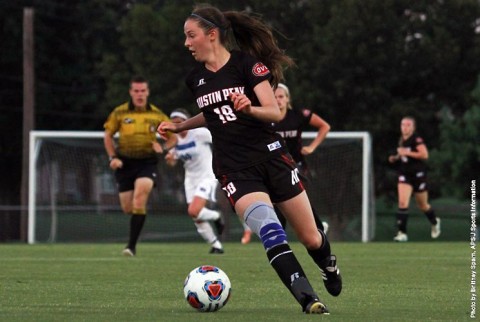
361,65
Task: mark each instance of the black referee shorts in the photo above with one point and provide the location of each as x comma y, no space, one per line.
133,169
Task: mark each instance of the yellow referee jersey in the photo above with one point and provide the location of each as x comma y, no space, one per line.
137,129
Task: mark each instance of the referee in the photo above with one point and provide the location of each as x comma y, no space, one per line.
134,159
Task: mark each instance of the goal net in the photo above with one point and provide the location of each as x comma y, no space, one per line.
73,195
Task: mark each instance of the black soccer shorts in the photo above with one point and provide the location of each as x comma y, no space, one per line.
278,177
417,180
132,170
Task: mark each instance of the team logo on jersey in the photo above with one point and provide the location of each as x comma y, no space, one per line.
201,82
128,120
260,69
306,113
419,140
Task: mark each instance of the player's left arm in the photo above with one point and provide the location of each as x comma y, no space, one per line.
421,153
323,128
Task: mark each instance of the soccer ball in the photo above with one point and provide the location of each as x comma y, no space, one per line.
207,288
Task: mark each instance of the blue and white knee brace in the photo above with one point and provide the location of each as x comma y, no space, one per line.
262,220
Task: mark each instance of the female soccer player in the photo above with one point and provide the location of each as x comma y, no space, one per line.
412,177
233,90
194,150
290,128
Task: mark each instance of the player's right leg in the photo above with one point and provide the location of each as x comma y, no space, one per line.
260,216
404,193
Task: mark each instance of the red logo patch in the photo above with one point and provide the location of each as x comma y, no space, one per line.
260,69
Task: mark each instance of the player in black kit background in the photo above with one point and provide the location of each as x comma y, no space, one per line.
412,178
290,129
233,90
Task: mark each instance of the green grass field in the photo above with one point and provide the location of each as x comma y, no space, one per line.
425,281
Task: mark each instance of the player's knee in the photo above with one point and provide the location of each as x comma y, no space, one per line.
310,239
262,220
193,212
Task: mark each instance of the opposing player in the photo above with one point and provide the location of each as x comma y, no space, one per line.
233,90
291,128
412,178
194,150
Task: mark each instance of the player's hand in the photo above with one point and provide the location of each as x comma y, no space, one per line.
170,158
306,150
157,147
393,158
241,102
116,163
164,127
403,151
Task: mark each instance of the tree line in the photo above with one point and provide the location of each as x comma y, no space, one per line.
361,65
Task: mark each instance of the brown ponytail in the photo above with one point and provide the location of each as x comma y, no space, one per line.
248,33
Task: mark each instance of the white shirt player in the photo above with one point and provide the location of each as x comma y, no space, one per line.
196,153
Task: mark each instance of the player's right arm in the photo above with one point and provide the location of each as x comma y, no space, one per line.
109,144
192,123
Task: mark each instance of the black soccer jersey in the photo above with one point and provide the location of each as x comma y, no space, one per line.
410,165
239,140
291,128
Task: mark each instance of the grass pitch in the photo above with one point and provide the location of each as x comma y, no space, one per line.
93,282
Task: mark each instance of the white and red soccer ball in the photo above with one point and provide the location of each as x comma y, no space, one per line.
207,288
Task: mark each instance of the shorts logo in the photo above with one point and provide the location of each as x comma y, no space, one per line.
274,146
401,178
419,174
260,69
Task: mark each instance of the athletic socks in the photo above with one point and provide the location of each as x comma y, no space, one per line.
431,216
402,218
208,214
320,254
136,225
205,230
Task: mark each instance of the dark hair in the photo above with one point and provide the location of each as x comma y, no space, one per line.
138,79
248,33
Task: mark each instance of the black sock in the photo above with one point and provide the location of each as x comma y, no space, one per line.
285,263
321,255
318,222
402,218
281,217
136,225
431,216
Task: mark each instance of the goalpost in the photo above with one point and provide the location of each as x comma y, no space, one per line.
73,195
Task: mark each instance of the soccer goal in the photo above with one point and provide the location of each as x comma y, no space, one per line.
73,195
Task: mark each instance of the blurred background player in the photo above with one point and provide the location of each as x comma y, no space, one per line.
412,177
194,150
134,160
290,128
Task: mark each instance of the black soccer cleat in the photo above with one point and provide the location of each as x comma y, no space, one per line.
316,307
331,276
215,250
305,295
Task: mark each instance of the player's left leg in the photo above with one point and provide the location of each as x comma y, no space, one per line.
141,192
299,214
422,202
